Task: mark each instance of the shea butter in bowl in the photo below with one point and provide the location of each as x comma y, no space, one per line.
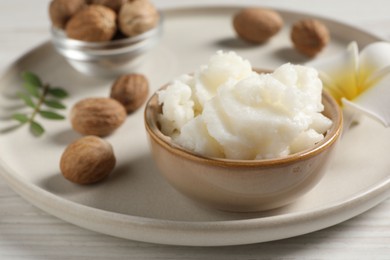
242,165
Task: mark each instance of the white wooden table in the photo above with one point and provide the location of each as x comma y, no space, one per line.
29,233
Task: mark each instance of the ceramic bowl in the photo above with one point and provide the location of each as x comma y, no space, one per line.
242,185
106,59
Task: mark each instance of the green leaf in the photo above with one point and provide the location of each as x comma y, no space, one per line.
58,92
22,118
51,115
32,89
27,99
54,104
36,129
31,78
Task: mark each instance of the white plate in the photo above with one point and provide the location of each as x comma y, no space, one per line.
135,202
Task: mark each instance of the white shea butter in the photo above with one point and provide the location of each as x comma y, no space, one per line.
226,110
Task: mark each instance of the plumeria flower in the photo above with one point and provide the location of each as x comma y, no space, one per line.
360,82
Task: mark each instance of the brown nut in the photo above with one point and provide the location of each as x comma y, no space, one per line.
309,36
95,23
137,16
60,11
97,116
131,91
113,4
87,160
257,25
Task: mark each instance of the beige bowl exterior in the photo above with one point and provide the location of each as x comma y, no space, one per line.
242,185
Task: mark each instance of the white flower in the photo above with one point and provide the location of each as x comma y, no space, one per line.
360,82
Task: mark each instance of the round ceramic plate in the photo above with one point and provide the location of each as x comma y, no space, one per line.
135,202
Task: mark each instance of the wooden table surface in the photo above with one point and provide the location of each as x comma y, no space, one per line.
27,232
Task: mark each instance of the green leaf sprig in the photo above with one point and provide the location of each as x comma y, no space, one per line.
43,99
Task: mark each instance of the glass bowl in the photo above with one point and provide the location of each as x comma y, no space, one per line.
106,59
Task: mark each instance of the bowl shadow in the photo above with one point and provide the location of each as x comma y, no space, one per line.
136,188
289,54
235,43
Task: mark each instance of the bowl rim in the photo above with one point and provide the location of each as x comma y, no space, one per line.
91,54
331,137
58,36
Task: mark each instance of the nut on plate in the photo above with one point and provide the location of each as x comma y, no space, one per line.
60,11
137,16
131,91
97,116
257,25
309,36
87,160
94,23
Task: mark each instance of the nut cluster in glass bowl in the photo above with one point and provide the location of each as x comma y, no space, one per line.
104,38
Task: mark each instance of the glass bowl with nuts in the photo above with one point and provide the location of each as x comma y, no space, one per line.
104,38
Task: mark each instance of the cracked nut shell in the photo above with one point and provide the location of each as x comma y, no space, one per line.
97,116
87,160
